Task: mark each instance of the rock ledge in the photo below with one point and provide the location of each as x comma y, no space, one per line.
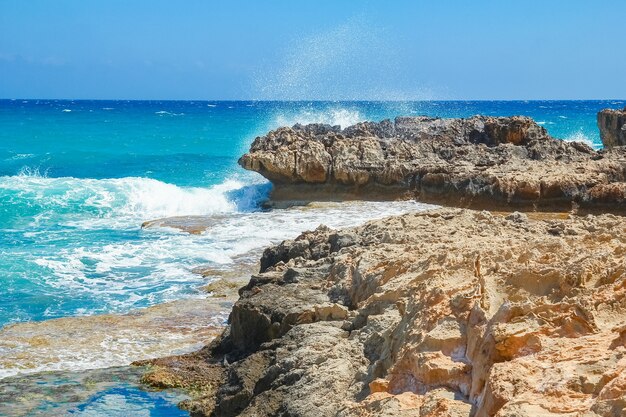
478,162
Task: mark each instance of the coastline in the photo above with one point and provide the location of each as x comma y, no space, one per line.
312,209
461,311
84,345
202,373
450,312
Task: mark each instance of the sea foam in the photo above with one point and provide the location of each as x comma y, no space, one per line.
109,264
581,137
119,200
335,117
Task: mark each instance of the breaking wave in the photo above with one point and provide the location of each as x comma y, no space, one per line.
581,137
33,195
334,117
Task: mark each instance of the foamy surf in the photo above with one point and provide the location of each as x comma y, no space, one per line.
103,341
335,117
581,137
121,201
156,269
168,113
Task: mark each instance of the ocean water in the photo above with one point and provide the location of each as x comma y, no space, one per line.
112,392
78,178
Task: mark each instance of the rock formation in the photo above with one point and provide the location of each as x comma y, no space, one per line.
479,161
450,312
612,124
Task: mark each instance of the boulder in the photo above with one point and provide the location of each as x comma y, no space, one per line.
612,124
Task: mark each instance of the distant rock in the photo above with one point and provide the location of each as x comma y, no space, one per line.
612,124
479,161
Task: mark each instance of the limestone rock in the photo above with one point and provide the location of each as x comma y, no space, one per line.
478,162
450,312
612,124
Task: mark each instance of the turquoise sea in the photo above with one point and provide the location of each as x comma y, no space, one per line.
78,178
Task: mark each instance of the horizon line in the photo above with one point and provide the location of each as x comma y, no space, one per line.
312,100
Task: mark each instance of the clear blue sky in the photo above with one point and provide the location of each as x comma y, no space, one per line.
304,49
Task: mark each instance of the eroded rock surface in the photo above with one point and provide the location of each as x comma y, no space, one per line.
612,124
451,312
479,161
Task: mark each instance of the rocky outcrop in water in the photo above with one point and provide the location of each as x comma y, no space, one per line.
450,312
612,124
479,161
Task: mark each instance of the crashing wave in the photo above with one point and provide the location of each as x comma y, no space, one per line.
334,117
581,137
122,199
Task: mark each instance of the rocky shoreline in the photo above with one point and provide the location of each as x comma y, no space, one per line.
449,312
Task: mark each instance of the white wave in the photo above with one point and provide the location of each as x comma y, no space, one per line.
22,156
581,137
334,117
29,172
66,110
237,235
151,198
122,199
158,267
167,113
155,268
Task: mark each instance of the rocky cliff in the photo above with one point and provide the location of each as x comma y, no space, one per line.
450,312
479,161
612,124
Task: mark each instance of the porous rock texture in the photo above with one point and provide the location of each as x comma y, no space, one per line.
612,124
450,312
479,162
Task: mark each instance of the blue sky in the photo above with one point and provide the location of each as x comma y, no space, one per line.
340,49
